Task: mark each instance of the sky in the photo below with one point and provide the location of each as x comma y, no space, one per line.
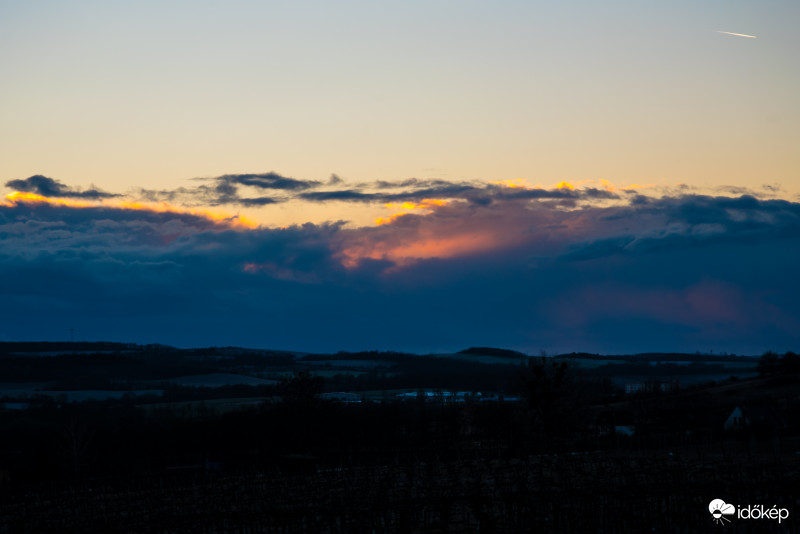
617,176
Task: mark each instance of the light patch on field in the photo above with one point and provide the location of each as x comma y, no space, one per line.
216,380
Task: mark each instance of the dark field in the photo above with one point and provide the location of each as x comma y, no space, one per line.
403,444
598,492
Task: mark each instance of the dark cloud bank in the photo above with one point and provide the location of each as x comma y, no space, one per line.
527,269
48,187
272,188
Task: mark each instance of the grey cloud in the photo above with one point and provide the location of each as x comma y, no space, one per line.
345,194
687,222
42,185
267,180
446,190
257,201
478,194
566,194
225,189
223,193
413,182
736,190
599,248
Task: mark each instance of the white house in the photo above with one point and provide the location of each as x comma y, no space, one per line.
745,417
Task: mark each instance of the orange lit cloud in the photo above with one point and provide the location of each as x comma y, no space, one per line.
455,231
577,186
18,197
408,252
608,186
388,220
427,206
565,185
518,182
236,221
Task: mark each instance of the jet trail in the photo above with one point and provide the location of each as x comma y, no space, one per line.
738,34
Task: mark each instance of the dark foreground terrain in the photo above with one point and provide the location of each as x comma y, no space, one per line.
612,492
156,440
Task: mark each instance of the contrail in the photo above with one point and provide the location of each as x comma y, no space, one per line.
738,34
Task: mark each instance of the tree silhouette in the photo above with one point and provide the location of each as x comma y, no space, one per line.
545,391
76,438
768,364
301,388
790,363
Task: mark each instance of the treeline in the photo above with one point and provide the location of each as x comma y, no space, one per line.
16,347
118,370
367,355
490,351
771,364
55,440
421,372
94,439
647,357
662,370
85,371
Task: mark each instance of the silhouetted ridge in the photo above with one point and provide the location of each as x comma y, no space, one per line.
363,355
13,347
659,357
489,351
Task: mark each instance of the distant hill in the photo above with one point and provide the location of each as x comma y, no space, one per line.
659,357
490,351
63,347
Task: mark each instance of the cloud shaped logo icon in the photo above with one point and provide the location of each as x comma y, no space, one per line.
719,509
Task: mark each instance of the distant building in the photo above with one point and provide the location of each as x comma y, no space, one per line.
449,397
15,405
614,421
634,387
342,396
652,386
762,418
